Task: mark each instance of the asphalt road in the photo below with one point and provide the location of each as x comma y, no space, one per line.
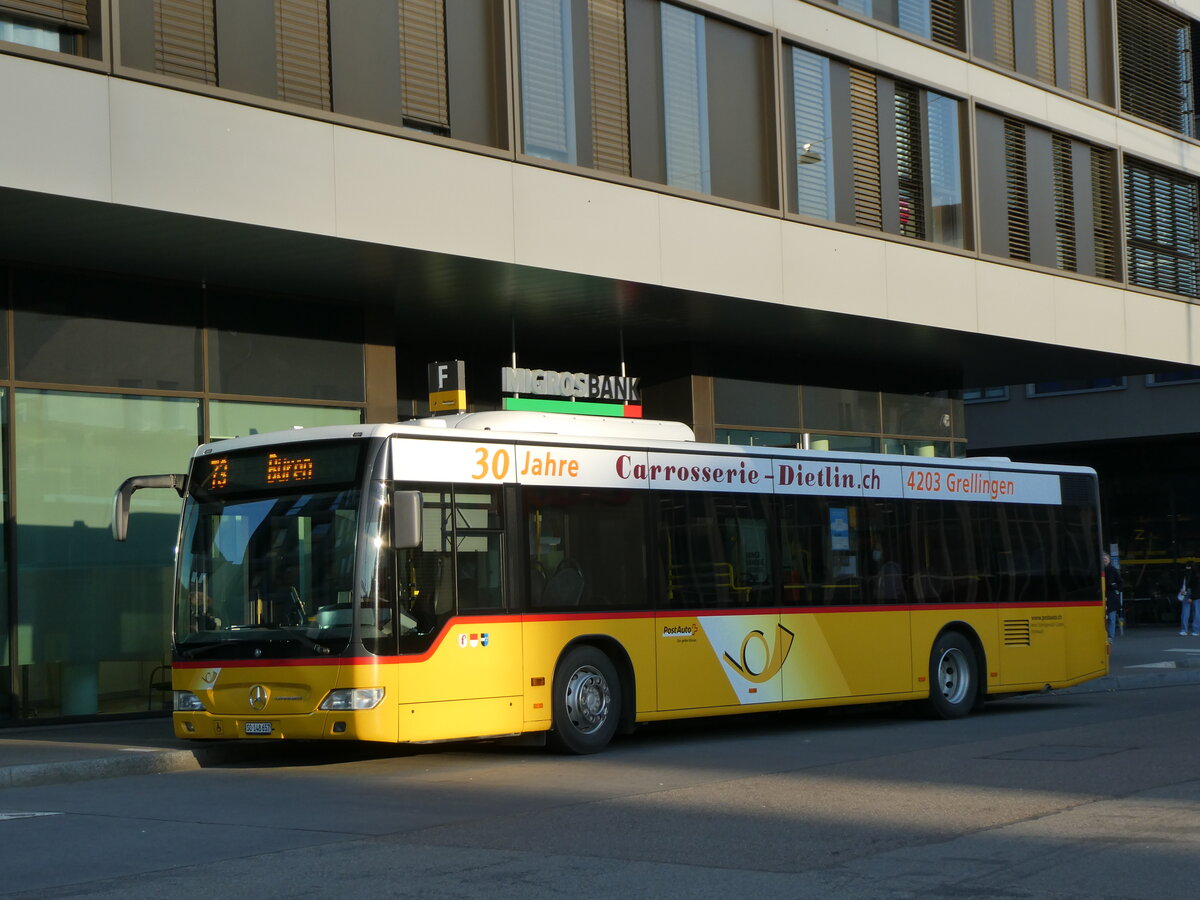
1092,795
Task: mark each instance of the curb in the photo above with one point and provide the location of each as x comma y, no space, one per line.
1175,677
139,762
132,761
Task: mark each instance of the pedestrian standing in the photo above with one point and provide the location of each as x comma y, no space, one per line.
1112,595
1189,601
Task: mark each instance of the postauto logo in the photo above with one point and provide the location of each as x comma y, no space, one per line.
756,649
681,630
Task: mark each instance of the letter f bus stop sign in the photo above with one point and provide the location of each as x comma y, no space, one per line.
447,387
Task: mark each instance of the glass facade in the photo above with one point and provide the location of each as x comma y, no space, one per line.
231,418
821,418
107,379
5,618
92,623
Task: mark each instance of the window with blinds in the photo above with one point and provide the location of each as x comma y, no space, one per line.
58,25
1157,69
570,112
872,151
1064,204
302,52
1057,42
185,39
864,131
609,87
66,13
547,79
910,161
423,64
947,223
1161,228
940,21
685,98
1104,217
812,127
397,62
1057,204
1017,189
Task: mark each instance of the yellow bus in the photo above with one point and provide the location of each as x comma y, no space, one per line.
497,574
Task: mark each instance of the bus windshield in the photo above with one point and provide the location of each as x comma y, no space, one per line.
266,570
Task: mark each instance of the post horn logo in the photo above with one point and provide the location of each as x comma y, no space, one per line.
258,697
774,657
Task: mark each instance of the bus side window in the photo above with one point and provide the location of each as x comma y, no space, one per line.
478,549
574,535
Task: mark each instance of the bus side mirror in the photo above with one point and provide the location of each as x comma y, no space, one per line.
120,518
406,519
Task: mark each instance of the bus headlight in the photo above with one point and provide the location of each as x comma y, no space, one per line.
186,701
353,698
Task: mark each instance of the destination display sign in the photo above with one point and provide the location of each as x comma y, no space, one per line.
296,466
499,463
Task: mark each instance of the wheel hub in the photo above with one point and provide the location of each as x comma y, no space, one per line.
588,699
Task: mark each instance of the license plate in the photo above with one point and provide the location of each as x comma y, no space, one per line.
258,728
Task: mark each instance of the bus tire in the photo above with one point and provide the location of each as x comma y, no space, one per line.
953,677
586,705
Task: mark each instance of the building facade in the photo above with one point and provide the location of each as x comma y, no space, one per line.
1139,433
798,222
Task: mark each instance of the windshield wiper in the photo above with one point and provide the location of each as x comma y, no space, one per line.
226,644
298,636
205,649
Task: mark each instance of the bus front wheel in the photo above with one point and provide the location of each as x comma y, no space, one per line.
953,677
586,703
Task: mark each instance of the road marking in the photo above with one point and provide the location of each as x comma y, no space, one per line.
25,815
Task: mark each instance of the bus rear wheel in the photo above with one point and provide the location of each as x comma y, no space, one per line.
953,677
586,706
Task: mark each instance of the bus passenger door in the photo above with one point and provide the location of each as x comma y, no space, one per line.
462,675
848,586
720,643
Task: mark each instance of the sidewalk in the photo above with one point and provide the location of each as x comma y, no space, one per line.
1145,657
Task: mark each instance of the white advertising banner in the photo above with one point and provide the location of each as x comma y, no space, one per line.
468,462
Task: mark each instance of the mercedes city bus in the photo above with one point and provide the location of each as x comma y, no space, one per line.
496,574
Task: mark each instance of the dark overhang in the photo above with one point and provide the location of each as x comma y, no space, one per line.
443,304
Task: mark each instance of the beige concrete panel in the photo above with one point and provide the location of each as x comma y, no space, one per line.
583,225
756,12
54,137
203,157
928,287
1090,316
832,270
1152,145
1015,303
720,251
923,64
1081,120
821,28
1007,94
1190,156
1158,327
409,194
1193,334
